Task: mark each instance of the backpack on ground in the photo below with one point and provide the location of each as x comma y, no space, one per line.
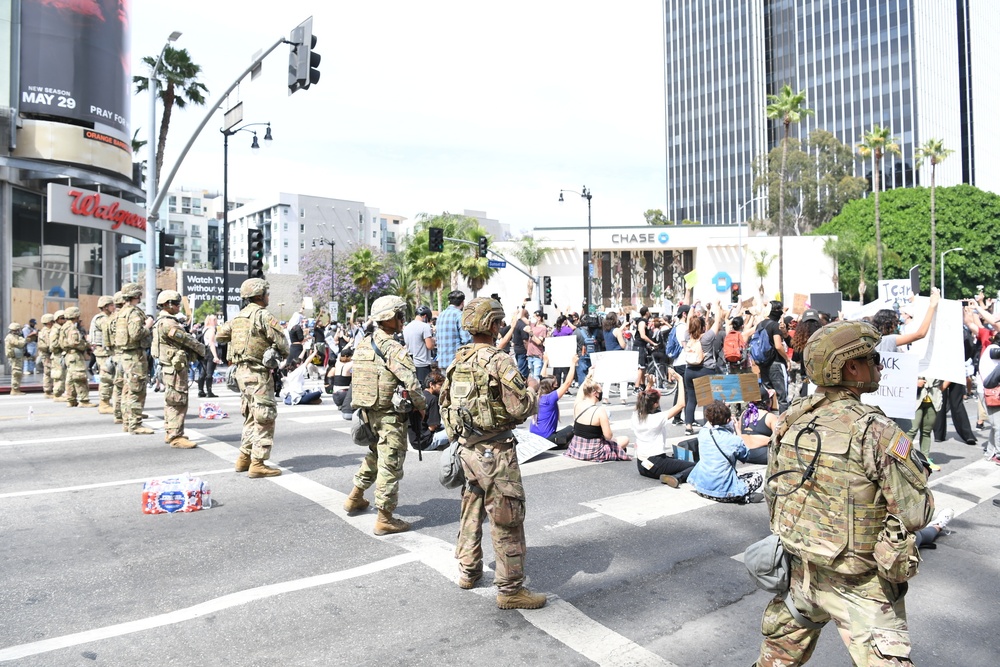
733,347
673,349
761,347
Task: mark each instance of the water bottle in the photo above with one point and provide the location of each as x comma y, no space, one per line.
206,496
31,413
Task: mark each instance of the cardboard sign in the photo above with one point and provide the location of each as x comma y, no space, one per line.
560,350
827,302
530,445
799,304
617,366
897,390
733,388
894,293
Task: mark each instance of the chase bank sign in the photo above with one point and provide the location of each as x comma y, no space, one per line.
643,238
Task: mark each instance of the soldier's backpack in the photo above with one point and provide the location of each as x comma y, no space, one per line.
761,347
473,404
733,347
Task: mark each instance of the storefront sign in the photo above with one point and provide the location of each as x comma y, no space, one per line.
86,208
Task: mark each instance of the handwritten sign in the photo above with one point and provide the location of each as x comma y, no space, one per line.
733,388
530,445
894,292
897,390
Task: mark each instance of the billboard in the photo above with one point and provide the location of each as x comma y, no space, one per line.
76,62
206,285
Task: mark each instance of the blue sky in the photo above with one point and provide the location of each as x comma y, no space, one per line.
431,106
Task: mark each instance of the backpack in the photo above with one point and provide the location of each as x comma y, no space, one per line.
733,346
673,349
761,347
591,344
473,404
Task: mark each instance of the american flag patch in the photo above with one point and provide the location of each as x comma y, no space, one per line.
901,447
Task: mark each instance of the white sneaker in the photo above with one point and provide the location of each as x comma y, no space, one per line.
943,518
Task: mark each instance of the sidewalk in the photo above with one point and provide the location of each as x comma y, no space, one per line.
31,383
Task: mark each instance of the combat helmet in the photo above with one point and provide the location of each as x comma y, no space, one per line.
831,346
118,299
59,315
166,296
388,307
72,313
46,318
480,314
14,326
131,291
104,301
252,287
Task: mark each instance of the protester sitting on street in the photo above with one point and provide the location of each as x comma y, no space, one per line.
432,434
338,379
613,341
294,383
650,427
714,476
757,425
546,422
592,436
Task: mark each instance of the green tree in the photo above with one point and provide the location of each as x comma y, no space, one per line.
364,268
762,266
876,144
206,308
530,255
177,82
654,216
934,152
788,107
404,284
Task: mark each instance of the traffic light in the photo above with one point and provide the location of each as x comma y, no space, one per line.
303,61
436,239
736,292
547,290
167,250
483,246
255,253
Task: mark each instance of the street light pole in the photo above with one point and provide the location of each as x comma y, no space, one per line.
942,267
739,231
151,181
590,248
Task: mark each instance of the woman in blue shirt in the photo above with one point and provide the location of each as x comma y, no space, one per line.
714,476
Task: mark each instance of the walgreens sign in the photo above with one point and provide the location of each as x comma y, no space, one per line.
86,208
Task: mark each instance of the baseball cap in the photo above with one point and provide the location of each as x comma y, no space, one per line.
810,315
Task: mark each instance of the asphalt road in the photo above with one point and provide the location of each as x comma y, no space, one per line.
276,573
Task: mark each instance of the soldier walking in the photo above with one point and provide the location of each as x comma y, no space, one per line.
380,365
176,349
45,353
118,377
55,345
849,525
132,337
13,347
102,352
256,346
483,398
74,343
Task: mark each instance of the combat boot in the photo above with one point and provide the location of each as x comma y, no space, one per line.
105,408
258,469
119,420
180,442
86,404
49,395
60,399
522,599
242,462
16,392
467,581
141,430
355,501
386,524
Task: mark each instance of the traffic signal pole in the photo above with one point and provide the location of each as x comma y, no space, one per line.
491,251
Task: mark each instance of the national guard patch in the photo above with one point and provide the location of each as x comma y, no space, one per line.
901,447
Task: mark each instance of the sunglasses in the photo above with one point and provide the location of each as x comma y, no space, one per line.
875,357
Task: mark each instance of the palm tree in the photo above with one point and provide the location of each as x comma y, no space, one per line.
404,285
934,151
474,269
177,81
836,249
762,266
788,107
365,268
877,143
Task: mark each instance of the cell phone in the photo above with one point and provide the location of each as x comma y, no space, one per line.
965,302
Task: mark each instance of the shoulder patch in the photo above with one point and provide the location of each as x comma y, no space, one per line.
900,447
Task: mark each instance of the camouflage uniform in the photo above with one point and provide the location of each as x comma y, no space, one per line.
55,346
250,334
849,528
176,349
489,459
74,342
45,353
118,381
374,382
102,352
131,339
14,345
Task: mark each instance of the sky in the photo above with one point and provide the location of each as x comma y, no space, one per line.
430,106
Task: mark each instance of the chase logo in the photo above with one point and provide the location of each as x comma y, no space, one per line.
663,237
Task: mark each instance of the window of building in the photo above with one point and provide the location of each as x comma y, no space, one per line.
285,226
286,243
286,259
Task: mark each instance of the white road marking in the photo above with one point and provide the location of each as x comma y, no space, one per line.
201,609
640,507
552,463
123,482
69,438
318,419
575,519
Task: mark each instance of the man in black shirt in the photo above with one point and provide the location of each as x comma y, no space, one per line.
432,434
774,373
518,339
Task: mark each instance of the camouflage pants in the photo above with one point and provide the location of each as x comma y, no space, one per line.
134,373
58,376
15,375
868,611
77,388
45,359
383,465
175,401
498,477
107,380
259,411
119,384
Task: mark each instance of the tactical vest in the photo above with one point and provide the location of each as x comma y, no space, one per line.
244,345
96,334
74,340
108,328
835,518
54,346
372,383
43,340
123,341
473,404
64,335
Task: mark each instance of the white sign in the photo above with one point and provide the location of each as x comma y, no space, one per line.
894,292
530,445
942,352
897,391
333,307
307,304
617,366
560,350
97,210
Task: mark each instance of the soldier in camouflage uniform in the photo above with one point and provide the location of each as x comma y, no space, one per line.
13,347
74,342
176,349
380,365
256,345
56,349
480,415
118,381
102,352
132,337
849,527
45,353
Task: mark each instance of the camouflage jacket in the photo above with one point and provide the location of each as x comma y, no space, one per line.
73,338
866,477
172,345
97,338
130,329
13,341
44,347
374,381
251,333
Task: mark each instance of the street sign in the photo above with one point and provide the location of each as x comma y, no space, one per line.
496,264
334,308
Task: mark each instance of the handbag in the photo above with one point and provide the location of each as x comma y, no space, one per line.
361,431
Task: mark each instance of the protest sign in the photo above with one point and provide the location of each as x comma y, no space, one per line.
894,293
826,302
799,304
530,445
897,390
617,366
560,350
732,388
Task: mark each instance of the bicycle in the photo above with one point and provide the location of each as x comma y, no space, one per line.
662,377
